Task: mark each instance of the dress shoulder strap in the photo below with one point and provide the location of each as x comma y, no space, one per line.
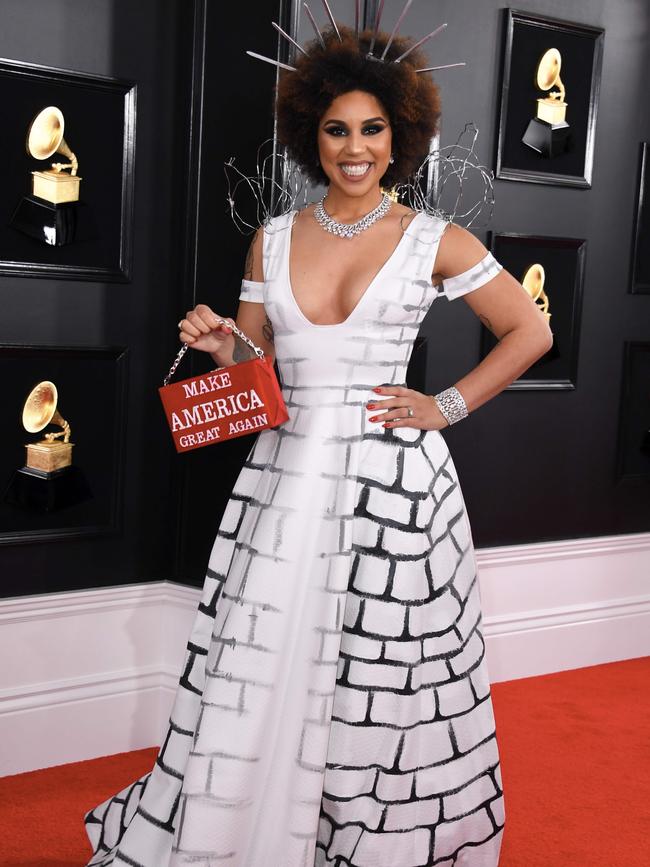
275,243
426,231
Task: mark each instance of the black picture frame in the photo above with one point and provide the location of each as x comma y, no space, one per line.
527,37
563,260
640,260
100,127
633,443
94,404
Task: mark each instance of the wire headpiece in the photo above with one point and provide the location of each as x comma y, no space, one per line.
450,183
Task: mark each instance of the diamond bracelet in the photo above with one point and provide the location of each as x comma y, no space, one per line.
451,404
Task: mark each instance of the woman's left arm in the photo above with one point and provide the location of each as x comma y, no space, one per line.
504,307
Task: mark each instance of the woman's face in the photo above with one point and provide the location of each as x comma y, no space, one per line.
354,142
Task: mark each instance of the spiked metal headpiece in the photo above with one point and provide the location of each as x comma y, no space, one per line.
438,186
375,30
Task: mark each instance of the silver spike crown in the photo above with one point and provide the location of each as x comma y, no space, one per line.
271,60
395,28
375,32
331,18
312,21
420,42
290,38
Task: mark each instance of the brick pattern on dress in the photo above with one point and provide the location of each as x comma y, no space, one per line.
334,707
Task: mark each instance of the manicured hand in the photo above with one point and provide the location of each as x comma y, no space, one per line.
393,409
201,329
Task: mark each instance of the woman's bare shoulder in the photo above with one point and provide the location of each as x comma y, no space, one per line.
404,215
253,268
459,250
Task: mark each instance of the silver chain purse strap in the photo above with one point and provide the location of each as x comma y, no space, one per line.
259,352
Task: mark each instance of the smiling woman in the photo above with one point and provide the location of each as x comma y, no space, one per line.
356,148
335,704
405,109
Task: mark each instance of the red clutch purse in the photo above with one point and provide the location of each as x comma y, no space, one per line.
224,403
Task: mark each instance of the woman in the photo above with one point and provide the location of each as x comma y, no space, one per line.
335,705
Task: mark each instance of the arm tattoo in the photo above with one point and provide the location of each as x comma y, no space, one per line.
487,323
267,329
241,351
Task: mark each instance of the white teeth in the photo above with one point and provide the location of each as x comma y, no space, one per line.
356,170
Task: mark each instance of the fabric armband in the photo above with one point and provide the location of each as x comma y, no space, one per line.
477,275
252,290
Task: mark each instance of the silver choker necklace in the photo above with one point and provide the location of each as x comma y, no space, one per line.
349,230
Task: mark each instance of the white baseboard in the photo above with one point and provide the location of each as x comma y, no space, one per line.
94,672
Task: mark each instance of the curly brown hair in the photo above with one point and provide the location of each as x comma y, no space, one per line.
412,100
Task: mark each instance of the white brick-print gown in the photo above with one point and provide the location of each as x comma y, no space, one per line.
334,706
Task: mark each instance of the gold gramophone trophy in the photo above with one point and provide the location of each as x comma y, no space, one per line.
47,455
52,213
48,481
44,139
548,132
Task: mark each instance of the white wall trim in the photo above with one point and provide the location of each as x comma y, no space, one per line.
563,549
94,672
568,615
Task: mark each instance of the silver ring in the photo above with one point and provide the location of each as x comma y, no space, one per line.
410,411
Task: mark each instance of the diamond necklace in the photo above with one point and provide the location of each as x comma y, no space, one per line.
349,230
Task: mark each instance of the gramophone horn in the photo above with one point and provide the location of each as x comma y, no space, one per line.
45,137
533,283
548,71
40,410
533,280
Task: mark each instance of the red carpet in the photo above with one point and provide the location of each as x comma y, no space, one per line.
575,755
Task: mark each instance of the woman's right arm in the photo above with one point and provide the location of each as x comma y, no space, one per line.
252,318
201,329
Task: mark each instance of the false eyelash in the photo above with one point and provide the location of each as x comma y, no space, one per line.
365,129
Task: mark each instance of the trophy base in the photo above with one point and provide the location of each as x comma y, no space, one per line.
54,224
48,456
56,187
40,491
549,140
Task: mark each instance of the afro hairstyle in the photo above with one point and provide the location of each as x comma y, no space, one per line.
411,99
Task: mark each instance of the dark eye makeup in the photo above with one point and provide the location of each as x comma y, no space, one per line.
337,129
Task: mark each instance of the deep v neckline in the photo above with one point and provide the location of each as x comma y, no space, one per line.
364,295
